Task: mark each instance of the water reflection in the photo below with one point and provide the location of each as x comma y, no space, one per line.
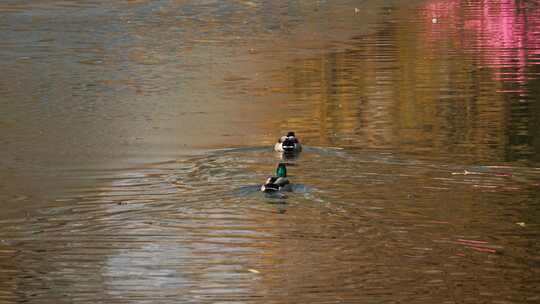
428,83
502,37
499,34
423,186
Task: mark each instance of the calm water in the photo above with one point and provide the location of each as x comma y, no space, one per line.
135,136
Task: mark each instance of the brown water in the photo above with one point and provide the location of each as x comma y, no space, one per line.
135,135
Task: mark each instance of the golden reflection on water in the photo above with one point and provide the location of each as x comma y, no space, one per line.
420,86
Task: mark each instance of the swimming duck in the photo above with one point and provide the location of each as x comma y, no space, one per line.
288,144
277,183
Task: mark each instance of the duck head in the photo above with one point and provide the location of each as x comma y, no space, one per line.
281,170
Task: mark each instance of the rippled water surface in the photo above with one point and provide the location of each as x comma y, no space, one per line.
135,136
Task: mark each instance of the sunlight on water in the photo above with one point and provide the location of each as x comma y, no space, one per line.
136,136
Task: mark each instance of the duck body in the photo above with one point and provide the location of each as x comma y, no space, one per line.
280,182
274,184
288,144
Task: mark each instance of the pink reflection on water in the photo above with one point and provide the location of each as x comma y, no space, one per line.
500,34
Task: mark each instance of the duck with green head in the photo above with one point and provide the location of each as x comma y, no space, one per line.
279,182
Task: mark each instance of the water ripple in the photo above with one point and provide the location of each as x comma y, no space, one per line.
182,228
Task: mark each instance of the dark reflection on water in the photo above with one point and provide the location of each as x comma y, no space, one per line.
419,182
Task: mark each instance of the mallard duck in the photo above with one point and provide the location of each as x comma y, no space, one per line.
288,144
279,182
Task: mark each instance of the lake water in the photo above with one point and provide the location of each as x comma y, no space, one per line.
135,136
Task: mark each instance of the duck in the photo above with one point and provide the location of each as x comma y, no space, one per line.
280,182
288,144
